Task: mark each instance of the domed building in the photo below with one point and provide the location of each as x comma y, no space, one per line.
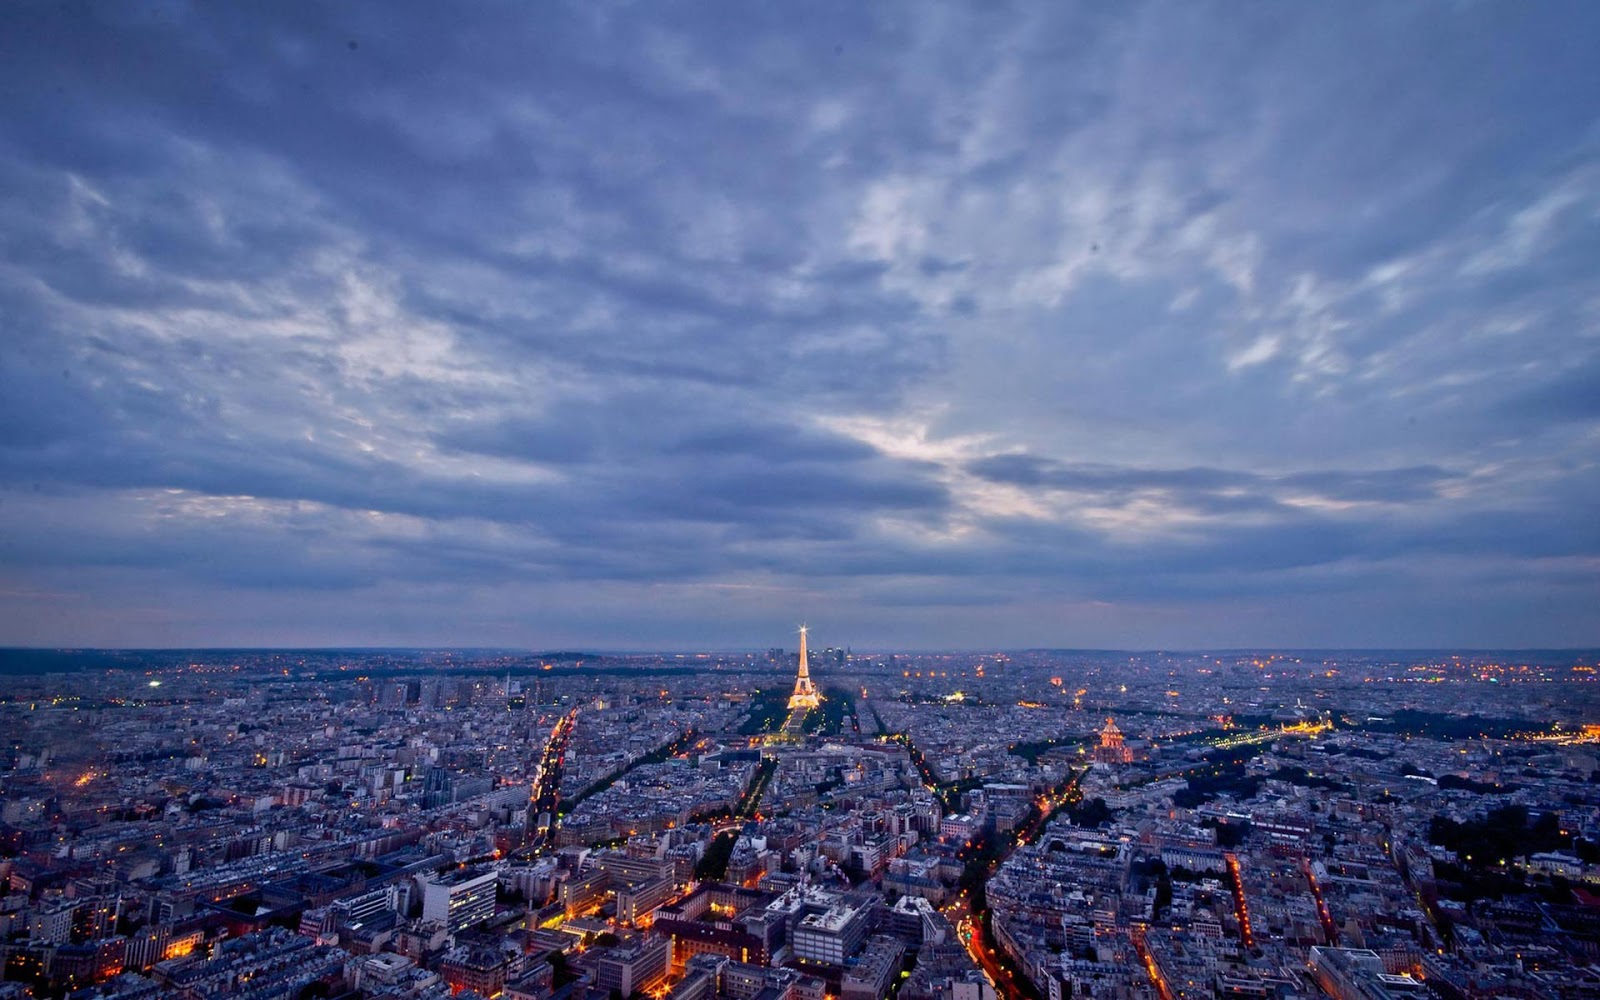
1112,750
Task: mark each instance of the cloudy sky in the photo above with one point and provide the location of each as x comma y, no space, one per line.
1113,325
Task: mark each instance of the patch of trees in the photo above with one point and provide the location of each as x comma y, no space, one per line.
1440,726
1030,750
1228,780
951,792
1470,883
829,721
1502,834
1089,813
1305,779
713,863
834,780
1468,785
1231,834
1362,752
1153,871
767,711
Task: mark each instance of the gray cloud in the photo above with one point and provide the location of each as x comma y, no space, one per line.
1376,486
671,321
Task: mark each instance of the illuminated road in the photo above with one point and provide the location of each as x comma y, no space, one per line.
758,788
959,911
1322,906
970,925
1241,908
971,931
546,794
746,809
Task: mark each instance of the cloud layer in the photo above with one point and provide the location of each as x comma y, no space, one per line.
624,326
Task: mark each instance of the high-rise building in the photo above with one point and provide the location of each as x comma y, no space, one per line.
805,693
459,899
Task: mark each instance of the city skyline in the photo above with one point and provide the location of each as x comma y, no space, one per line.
966,327
1155,827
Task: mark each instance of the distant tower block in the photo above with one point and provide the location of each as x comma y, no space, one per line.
1111,749
805,693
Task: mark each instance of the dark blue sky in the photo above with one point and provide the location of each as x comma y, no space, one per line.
623,325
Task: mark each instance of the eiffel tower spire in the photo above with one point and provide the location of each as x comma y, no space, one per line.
805,693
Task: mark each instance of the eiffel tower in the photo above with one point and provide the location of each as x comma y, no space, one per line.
805,693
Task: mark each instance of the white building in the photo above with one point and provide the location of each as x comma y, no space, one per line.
458,899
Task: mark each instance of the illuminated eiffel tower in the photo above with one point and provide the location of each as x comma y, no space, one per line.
805,693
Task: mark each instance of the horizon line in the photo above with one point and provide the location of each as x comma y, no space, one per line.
682,650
